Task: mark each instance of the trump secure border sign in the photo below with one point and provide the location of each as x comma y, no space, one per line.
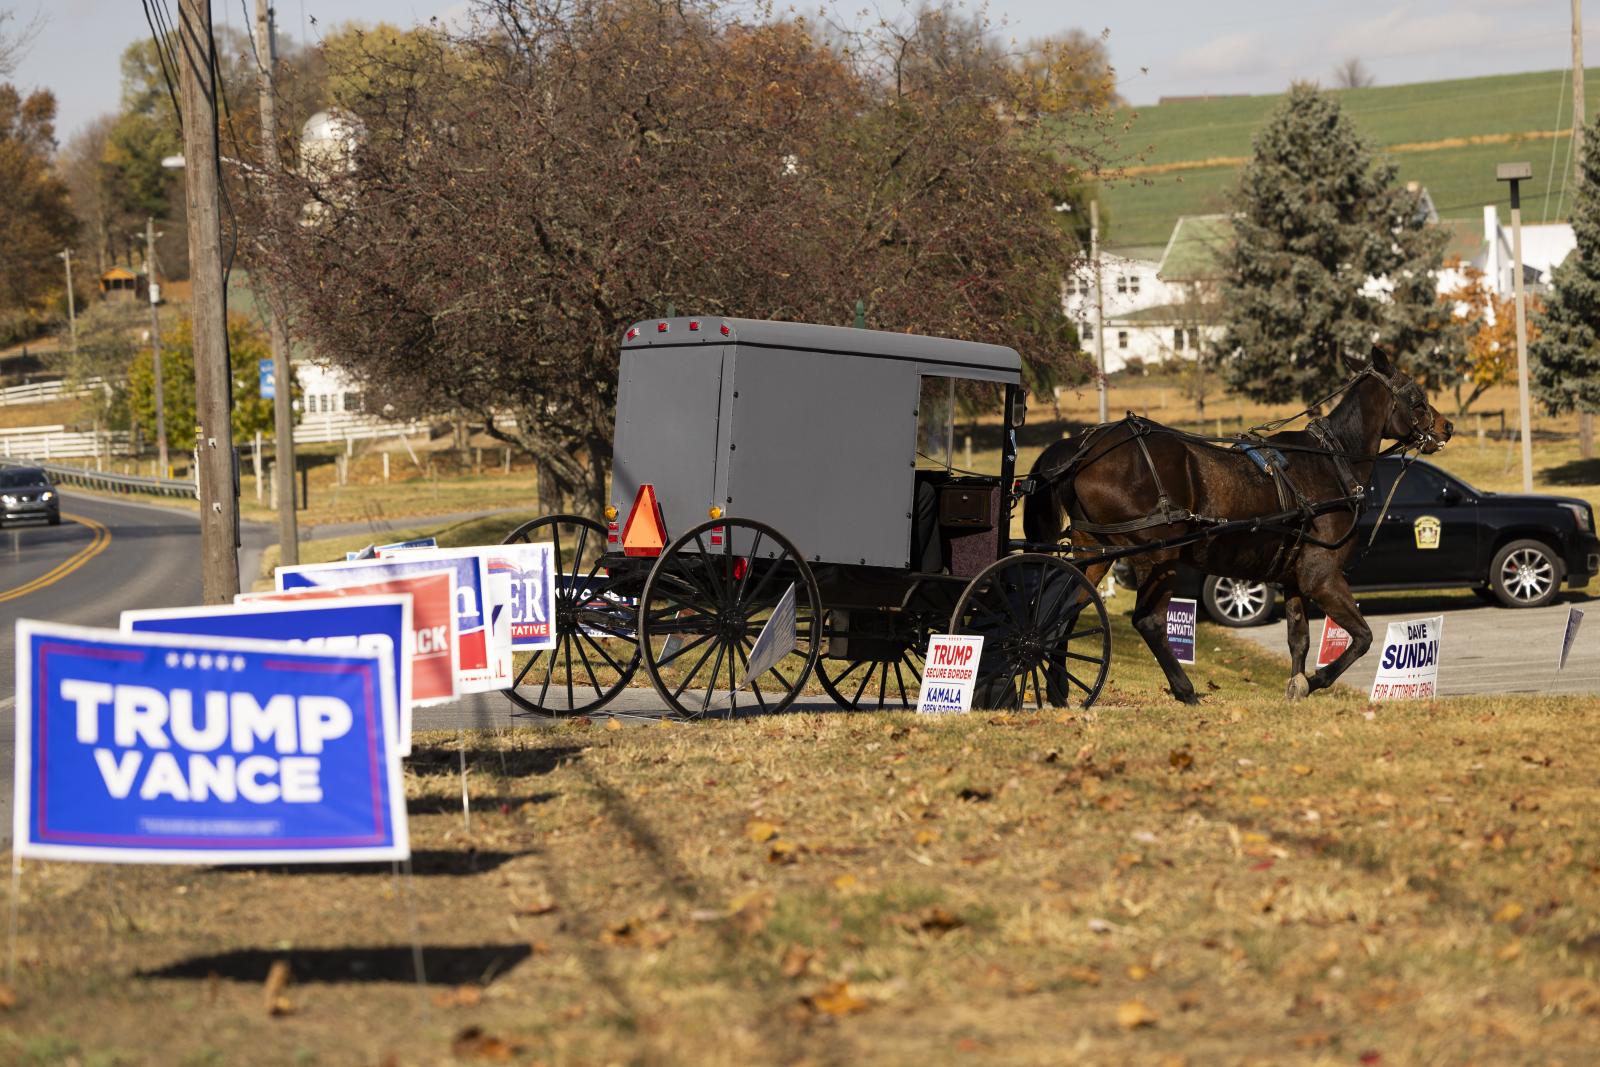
153,748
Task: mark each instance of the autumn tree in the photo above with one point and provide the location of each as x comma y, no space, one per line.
516,197
1486,354
1066,74
247,347
35,217
1330,254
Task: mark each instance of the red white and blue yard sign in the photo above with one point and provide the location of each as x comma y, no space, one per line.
381,624
433,649
482,621
531,572
154,748
949,673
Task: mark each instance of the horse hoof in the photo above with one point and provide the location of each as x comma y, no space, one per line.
1299,688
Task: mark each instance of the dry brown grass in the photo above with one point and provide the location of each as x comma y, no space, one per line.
1243,882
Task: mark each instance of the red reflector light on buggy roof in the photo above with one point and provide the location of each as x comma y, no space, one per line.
633,332
661,327
644,534
725,330
694,324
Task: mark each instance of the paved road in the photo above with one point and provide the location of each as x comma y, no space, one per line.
1483,649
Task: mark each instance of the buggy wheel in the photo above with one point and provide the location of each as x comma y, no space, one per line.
708,600
1046,635
595,654
887,676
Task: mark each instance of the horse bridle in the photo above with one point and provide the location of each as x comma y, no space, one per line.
1407,395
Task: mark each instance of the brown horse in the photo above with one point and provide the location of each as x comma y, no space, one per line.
1135,482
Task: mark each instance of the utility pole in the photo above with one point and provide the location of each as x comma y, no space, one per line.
278,327
1099,309
1579,116
219,502
155,347
1516,173
72,303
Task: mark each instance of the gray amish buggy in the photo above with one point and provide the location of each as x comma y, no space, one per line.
783,502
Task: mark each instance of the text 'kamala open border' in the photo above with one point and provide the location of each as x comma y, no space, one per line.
154,748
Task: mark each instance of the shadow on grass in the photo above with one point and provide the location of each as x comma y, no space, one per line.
426,862
445,759
451,965
1573,472
446,805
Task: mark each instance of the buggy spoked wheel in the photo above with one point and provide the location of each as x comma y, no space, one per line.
882,668
596,652
1047,641
706,602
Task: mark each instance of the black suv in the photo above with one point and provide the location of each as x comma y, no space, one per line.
26,493
1514,549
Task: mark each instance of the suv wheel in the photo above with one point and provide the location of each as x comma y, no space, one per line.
1525,574
1237,602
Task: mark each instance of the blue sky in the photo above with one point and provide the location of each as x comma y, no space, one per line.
1160,47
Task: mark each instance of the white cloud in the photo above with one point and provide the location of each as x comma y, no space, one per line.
1228,54
1402,31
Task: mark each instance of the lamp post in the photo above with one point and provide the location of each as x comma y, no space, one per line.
1515,173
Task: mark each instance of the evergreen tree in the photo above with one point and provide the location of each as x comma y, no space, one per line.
1564,359
1330,254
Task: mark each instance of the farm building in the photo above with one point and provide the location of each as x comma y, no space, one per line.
119,284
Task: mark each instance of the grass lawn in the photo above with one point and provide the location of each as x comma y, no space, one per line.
1428,126
1143,883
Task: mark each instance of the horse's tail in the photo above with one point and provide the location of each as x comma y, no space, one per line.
1044,510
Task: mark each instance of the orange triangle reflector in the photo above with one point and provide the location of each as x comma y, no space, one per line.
645,534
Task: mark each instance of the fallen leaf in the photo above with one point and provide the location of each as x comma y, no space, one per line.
751,912
932,920
1580,996
1259,801
796,961
1509,952
1509,912
1370,1056
537,907
1301,769
926,837
1314,1039
846,882
836,998
473,1043
1084,975
8,997
1100,926
467,996
760,832
613,723
277,981
639,931
1134,1014
1180,759
783,852
1138,973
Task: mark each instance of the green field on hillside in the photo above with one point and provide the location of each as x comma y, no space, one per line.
1519,110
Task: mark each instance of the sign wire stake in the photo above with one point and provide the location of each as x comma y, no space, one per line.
16,891
417,968
466,804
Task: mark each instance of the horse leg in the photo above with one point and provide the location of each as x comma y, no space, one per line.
1150,619
1294,610
1333,595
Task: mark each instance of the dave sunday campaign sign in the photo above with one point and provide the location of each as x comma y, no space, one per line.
154,748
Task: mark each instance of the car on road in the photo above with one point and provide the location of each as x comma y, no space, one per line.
1513,549
27,493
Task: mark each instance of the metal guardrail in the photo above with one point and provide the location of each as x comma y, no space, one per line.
108,482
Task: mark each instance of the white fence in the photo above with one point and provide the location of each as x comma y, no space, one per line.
326,426
56,442
39,392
